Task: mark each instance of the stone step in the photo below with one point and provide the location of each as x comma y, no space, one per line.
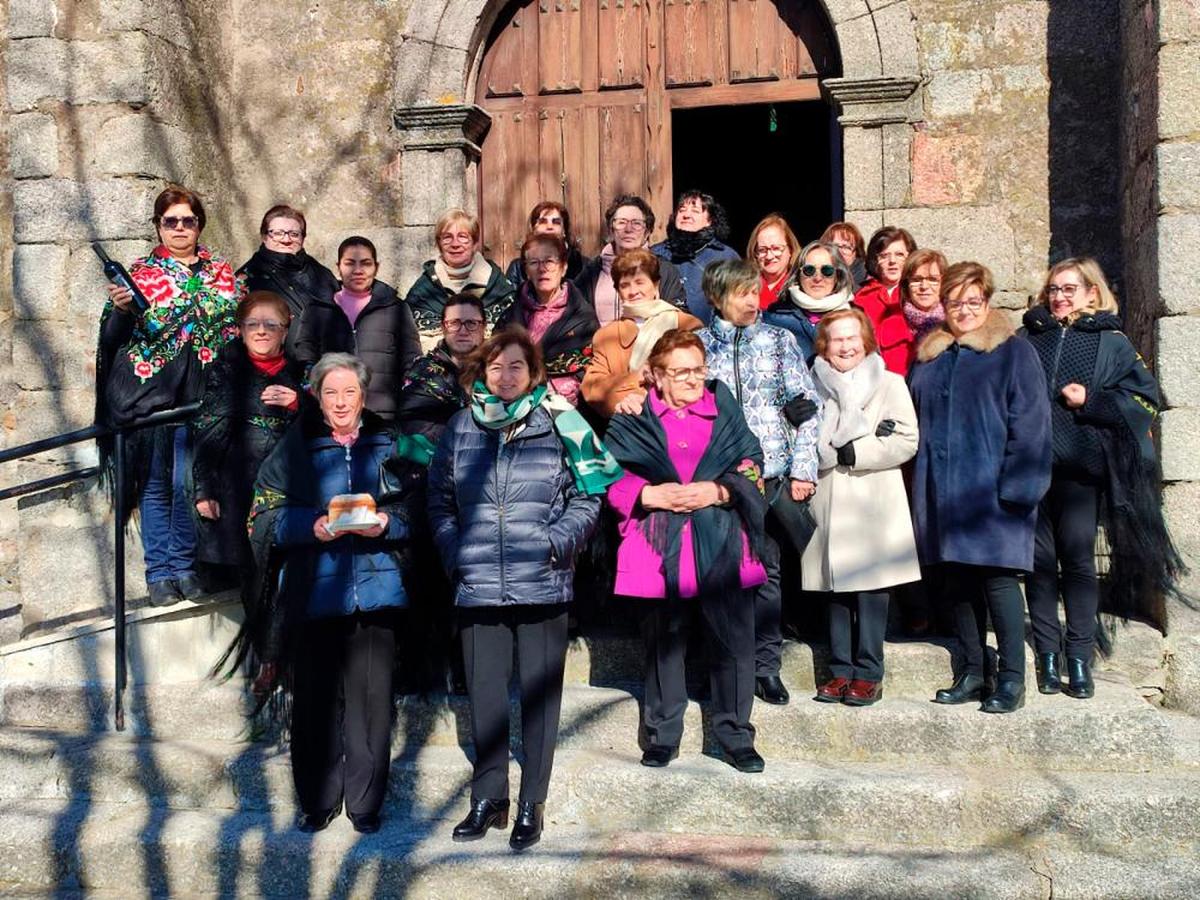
1115,730
912,802
104,848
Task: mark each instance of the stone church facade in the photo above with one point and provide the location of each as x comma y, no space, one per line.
1014,133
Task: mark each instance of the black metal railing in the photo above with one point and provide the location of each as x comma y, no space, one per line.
118,435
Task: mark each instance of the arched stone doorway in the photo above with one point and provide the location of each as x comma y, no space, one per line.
587,98
441,128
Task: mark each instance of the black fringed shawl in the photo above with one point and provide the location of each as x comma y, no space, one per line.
734,459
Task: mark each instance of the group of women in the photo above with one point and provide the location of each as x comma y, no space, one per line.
854,410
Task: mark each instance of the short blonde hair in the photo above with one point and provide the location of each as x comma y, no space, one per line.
452,216
1091,275
962,275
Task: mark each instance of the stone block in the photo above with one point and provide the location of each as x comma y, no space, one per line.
85,278
56,209
958,94
1183,674
1181,509
48,355
1181,444
947,169
980,233
946,45
33,146
39,274
895,26
428,73
897,164
862,153
31,18
868,221
41,414
840,11
859,47
1179,176
135,144
430,182
1020,29
1176,357
1011,300
1179,248
1178,97
116,70
448,24
1178,20
165,19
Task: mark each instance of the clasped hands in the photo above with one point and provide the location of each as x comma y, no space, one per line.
683,498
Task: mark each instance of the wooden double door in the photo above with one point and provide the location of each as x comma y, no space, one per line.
581,94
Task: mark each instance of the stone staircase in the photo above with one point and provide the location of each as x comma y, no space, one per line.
905,799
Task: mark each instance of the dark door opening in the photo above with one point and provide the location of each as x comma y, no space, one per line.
757,159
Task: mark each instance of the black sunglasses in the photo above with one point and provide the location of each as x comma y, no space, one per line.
826,271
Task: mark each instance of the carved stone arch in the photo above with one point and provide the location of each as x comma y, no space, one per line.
440,51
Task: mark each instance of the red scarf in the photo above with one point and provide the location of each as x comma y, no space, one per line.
270,366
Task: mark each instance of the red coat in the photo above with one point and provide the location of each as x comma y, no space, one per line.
897,344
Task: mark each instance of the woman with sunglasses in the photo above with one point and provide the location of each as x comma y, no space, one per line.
250,397
156,359
690,509
823,285
1103,402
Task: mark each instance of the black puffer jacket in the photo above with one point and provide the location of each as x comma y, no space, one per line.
507,518
234,431
296,277
384,337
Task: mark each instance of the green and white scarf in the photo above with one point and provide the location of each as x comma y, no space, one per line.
590,462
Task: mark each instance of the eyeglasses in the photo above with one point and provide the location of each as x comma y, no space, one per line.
1067,290
268,325
279,234
450,239
843,246
470,326
536,263
927,280
968,305
826,271
632,224
188,223
549,220
680,375
770,251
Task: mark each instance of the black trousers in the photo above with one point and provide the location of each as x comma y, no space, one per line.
539,634
857,625
977,591
1066,539
342,712
728,621
768,618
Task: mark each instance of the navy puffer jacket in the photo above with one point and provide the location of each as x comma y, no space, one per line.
507,517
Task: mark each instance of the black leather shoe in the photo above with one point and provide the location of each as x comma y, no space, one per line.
658,756
770,689
311,823
191,587
1049,676
527,829
1079,679
364,823
1009,696
746,759
164,593
484,814
966,689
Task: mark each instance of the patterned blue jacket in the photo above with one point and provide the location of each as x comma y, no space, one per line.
764,368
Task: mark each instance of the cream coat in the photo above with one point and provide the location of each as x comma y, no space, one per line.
864,538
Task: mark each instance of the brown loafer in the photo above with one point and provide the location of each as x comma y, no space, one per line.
863,693
833,690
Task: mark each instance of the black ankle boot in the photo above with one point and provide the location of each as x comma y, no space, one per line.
966,688
1049,675
527,829
484,814
1079,679
1009,696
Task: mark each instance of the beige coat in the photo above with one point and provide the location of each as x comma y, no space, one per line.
864,538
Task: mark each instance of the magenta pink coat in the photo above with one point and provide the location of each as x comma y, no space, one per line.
639,567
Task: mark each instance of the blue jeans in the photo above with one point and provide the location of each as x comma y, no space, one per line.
168,529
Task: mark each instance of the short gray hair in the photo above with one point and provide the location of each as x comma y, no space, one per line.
844,279
726,277
331,362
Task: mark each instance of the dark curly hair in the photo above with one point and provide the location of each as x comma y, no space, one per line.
716,212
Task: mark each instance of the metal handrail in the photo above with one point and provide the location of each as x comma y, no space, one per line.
118,434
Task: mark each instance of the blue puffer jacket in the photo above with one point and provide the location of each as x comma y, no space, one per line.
785,314
350,573
507,517
763,367
691,272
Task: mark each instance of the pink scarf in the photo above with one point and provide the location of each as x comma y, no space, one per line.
923,321
608,306
538,317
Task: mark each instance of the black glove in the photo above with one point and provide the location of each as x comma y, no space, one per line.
846,455
799,410
886,427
